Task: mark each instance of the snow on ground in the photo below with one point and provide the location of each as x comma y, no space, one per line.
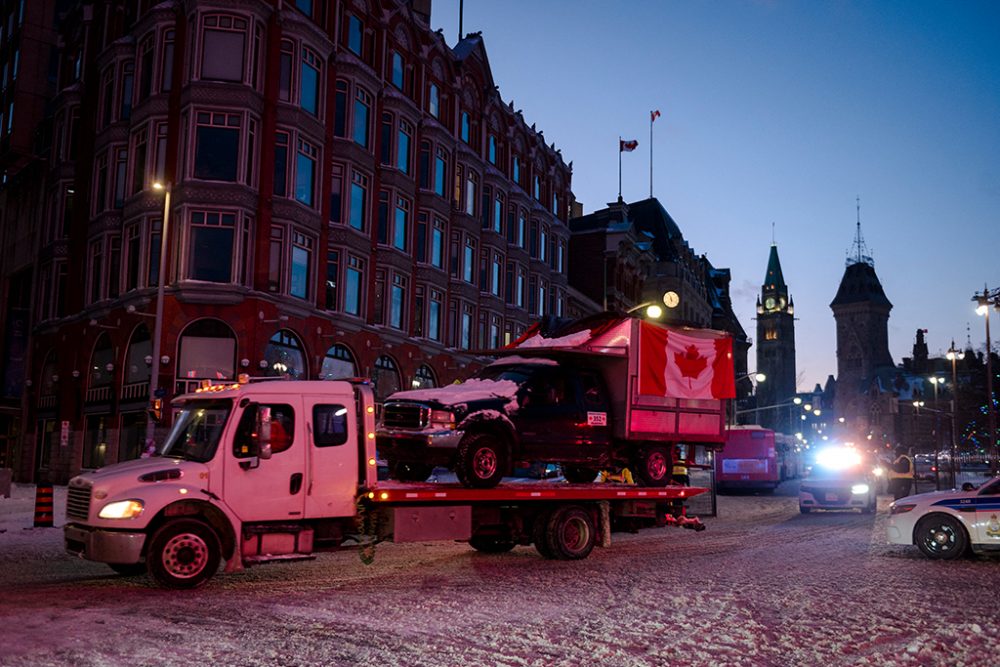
762,586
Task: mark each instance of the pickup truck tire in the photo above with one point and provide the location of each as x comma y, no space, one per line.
128,569
183,553
482,460
570,533
654,467
579,475
491,544
940,536
411,472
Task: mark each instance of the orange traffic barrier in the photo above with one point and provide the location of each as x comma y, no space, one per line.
43,506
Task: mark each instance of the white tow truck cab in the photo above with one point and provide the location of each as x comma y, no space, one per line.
277,470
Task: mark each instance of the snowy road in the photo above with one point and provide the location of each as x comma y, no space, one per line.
763,585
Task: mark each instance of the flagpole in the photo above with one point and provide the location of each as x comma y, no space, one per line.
619,167
651,154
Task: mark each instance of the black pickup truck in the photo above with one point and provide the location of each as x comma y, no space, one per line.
553,409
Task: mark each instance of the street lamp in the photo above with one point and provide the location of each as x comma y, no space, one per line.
983,302
154,371
954,356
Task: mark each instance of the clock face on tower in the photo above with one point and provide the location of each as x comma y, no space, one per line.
781,302
769,303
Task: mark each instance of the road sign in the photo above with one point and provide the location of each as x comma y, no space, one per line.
160,392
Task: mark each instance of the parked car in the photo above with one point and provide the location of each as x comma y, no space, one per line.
842,478
948,524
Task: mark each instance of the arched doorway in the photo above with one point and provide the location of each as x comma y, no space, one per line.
97,405
284,356
338,363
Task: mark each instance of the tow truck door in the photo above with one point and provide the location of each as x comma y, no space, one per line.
334,466
271,489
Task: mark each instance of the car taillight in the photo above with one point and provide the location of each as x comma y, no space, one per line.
900,509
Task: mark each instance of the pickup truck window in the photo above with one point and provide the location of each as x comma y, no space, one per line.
282,429
518,374
590,385
197,430
329,425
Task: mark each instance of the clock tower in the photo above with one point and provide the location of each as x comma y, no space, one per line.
775,347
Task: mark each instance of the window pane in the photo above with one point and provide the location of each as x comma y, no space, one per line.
352,296
397,70
222,58
433,104
281,166
360,123
399,229
329,425
211,254
216,152
300,272
357,207
403,152
304,174
354,30
310,89
396,315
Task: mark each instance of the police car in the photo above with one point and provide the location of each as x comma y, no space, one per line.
841,478
948,524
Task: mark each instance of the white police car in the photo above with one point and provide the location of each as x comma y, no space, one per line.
947,524
842,478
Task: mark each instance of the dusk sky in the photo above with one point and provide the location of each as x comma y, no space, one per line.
781,112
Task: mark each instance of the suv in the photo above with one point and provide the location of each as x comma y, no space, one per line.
552,409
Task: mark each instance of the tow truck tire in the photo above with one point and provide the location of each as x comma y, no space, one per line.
654,467
482,461
491,544
540,534
128,569
941,537
411,472
570,533
183,553
579,475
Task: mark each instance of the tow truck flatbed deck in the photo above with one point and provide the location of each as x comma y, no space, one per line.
405,492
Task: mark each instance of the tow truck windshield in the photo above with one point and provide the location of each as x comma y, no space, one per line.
197,430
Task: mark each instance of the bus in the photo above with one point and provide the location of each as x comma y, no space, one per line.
755,458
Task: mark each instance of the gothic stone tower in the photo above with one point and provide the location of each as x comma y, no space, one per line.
775,346
861,310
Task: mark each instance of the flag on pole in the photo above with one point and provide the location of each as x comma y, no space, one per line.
627,146
653,115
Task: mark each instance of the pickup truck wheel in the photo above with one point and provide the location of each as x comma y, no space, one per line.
128,569
491,544
411,472
482,461
183,554
654,467
579,475
941,537
570,533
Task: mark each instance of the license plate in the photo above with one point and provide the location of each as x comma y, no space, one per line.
832,497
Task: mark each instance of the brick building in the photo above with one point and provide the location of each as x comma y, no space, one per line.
348,195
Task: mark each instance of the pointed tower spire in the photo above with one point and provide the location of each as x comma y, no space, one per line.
774,280
859,253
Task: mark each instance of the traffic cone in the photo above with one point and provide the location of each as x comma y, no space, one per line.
43,505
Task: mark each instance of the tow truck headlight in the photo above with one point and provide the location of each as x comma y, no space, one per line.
442,419
859,489
123,509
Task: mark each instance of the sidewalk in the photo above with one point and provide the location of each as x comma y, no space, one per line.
18,511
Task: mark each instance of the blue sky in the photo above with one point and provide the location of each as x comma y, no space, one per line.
781,112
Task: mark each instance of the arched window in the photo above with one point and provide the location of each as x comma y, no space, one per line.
385,377
207,351
101,363
50,375
284,356
424,378
139,347
339,363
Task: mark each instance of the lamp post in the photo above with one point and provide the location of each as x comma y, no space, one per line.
935,381
954,356
154,374
984,301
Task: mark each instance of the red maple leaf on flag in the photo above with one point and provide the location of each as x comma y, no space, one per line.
691,363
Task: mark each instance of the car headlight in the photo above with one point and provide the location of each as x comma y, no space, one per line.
442,419
123,509
896,508
859,489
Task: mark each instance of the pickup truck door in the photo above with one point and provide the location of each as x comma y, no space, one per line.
335,456
267,489
550,417
593,432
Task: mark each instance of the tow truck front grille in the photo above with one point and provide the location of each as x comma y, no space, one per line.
404,415
78,502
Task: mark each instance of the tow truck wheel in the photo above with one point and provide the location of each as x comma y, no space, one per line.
128,569
411,472
482,461
654,467
540,535
941,537
491,544
570,533
579,475
183,553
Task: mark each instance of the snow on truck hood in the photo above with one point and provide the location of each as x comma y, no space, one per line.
572,340
470,390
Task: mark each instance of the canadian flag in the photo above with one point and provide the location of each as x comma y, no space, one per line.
685,365
627,146
653,115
